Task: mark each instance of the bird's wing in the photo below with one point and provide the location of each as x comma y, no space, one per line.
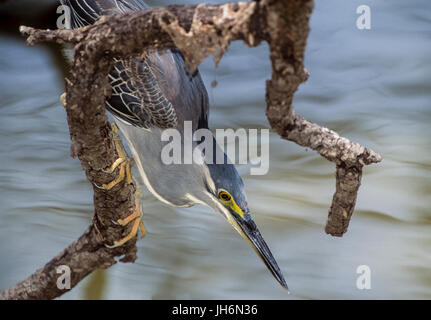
137,97
152,89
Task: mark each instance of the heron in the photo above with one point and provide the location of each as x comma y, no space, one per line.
152,92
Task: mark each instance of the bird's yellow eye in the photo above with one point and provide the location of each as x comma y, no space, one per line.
223,195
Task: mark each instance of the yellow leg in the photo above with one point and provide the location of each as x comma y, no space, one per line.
130,218
136,217
113,183
129,174
138,195
125,173
142,228
123,160
115,165
128,237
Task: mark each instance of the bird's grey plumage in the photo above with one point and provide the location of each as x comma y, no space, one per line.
153,92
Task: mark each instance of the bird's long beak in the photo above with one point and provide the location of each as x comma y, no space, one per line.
249,231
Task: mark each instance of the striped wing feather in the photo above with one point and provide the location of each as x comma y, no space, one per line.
137,96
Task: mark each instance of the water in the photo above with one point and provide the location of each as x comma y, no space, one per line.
371,86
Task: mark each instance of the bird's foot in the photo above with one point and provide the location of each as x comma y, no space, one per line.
123,161
136,217
125,173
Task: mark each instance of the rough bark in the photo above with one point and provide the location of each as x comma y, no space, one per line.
198,31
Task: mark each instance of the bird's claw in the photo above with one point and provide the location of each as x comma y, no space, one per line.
114,165
115,222
125,173
136,217
123,161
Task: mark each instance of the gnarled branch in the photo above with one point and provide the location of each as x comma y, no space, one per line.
198,31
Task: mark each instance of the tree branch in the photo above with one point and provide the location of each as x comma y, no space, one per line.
198,31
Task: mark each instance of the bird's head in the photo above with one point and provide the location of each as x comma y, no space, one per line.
225,194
